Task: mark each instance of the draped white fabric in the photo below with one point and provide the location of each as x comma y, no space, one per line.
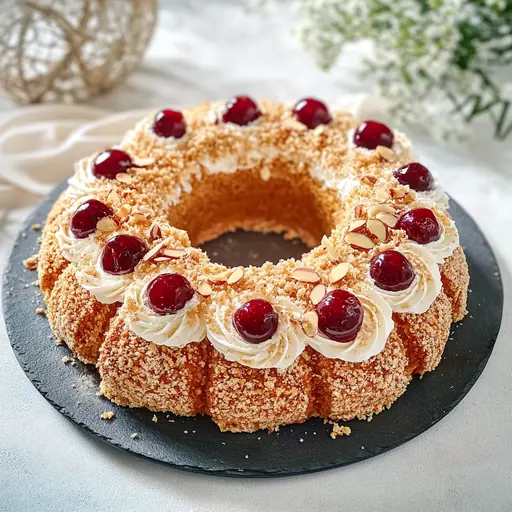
209,50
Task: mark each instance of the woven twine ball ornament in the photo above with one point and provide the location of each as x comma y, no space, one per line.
71,50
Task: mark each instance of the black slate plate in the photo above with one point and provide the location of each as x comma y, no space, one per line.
196,444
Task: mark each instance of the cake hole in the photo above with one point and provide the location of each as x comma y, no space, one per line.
241,219
252,248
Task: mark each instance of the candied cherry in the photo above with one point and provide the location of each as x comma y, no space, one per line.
169,123
256,321
420,225
312,112
417,176
240,110
340,315
168,293
391,271
84,220
108,164
122,253
371,134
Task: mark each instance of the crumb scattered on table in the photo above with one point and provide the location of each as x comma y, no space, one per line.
68,359
134,435
340,430
41,311
154,419
107,415
31,263
36,227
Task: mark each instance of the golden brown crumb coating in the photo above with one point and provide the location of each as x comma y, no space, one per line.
424,336
51,262
455,276
77,318
242,399
136,373
348,390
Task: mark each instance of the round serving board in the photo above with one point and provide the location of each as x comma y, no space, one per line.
196,444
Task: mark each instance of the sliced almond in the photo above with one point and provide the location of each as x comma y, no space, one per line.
174,253
237,274
358,210
113,197
317,294
378,229
381,194
143,162
123,211
106,225
140,217
368,179
338,272
387,218
154,252
305,275
359,241
221,277
161,259
145,210
155,232
265,174
310,323
397,193
204,289
377,208
386,153
123,177
321,128
329,248
293,124
356,225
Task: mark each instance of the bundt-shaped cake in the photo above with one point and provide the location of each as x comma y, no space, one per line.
338,334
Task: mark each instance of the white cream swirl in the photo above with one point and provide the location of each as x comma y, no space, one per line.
424,289
74,248
447,242
83,180
371,339
437,196
280,351
106,288
177,330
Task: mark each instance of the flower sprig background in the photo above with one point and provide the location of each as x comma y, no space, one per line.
441,63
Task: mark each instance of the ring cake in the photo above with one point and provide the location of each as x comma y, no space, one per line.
338,334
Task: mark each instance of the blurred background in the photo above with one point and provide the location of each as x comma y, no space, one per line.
76,74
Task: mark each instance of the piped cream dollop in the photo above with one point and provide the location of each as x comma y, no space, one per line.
371,339
280,351
74,248
83,181
106,288
177,330
448,241
424,289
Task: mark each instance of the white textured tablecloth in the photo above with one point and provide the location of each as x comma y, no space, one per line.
204,50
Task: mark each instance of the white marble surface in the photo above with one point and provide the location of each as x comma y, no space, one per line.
207,50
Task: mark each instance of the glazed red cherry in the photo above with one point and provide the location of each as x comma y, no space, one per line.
340,315
420,225
391,271
111,162
122,253
371,134
256,321
241,110
84,220
168,293
312,113
417,176
169,123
